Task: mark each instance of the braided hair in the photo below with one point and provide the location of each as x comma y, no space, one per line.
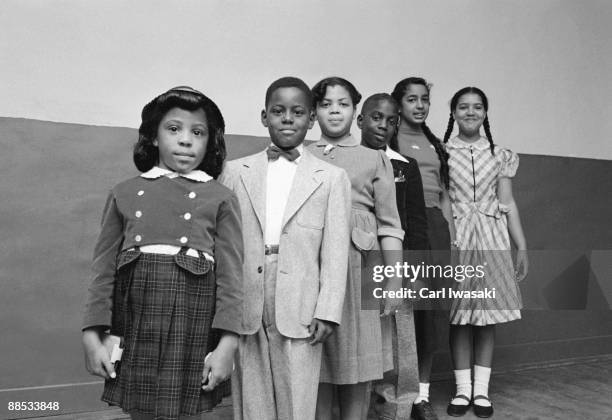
485,123
398,93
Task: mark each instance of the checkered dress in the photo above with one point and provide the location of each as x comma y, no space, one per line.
482,231
163,306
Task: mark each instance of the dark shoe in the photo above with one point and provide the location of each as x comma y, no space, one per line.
481,410
423,411
456,410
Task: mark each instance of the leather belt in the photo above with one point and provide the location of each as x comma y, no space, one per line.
271,249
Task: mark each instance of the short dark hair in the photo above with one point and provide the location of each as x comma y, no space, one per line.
320,89
402,86
289,82
378,97
146,155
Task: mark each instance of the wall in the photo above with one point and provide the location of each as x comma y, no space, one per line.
544,63
54,183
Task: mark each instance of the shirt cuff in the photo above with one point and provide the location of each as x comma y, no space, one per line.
225,322
389,231
97,321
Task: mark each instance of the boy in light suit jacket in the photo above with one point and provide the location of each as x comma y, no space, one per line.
295,215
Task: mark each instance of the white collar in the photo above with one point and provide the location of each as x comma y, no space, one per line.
196,175
299,148
392,154
349,141
481,144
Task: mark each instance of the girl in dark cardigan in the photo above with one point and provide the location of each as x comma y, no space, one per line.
167,268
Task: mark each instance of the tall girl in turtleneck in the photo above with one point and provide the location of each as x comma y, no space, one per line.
415,140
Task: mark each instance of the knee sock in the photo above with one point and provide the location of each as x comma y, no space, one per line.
481,384
423,393
463,379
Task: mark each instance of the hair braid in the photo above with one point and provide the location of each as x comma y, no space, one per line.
487,129
442,154
449,127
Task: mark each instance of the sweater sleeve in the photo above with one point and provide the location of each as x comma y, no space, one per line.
229,258
98,309
385,204
416,235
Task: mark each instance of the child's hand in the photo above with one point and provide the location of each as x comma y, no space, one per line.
97,360
417,286
393,305
409,302
522,265
219,365
319,330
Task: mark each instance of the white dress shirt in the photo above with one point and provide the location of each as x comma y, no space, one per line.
279,180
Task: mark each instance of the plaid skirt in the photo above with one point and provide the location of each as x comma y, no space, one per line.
163,306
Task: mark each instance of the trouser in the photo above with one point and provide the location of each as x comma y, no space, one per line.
276,377
396,392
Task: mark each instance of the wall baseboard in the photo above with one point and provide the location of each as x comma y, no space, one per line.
539,355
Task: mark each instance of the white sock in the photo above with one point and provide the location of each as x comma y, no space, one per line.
481,384
423,393
463,379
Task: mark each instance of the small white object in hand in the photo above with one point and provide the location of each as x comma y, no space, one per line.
116,353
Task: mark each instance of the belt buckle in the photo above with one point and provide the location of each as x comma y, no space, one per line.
271,249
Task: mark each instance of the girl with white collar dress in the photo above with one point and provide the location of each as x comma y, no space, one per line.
167,268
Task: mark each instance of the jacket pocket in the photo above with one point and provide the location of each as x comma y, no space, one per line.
197,266
309,222
127,257
363,241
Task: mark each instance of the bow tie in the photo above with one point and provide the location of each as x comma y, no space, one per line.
274,152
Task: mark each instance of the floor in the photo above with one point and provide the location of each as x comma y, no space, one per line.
567,391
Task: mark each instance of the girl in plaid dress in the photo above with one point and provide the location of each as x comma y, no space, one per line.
486,216
167,268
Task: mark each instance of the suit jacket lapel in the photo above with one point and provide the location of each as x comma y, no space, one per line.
254,180
305,183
